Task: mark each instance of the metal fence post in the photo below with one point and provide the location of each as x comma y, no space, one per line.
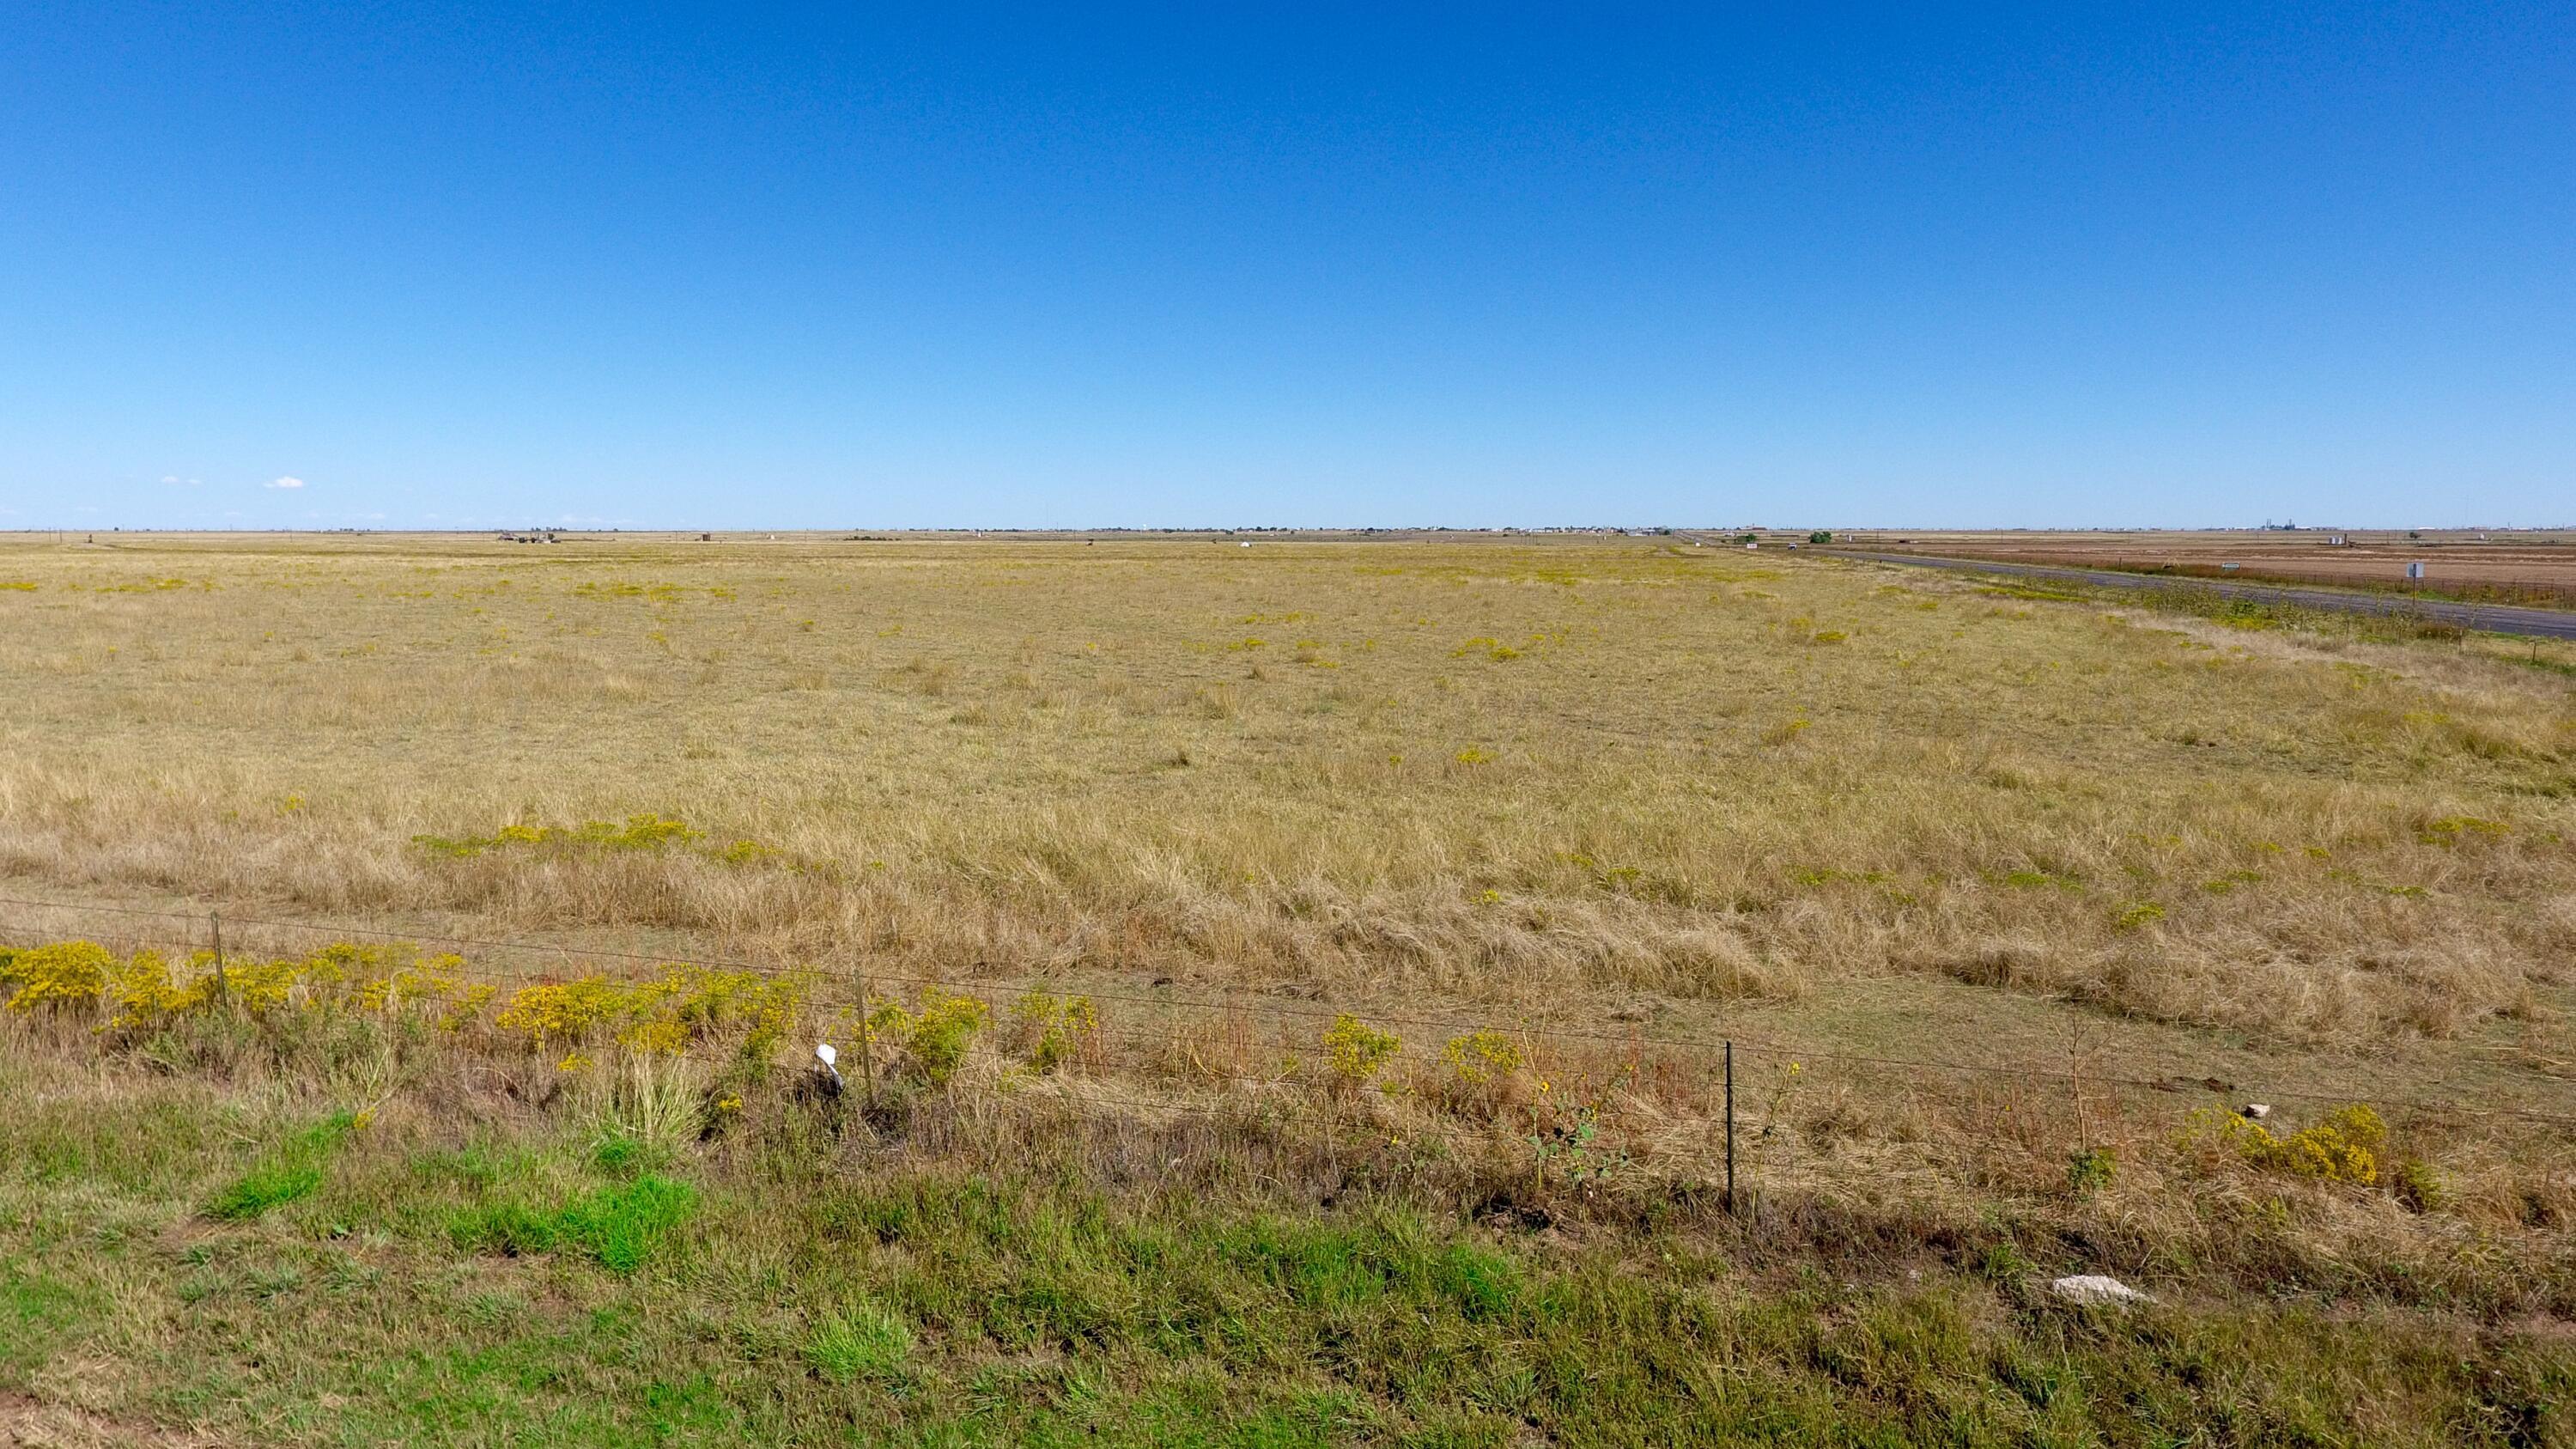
217,920
867,1057
1730,1127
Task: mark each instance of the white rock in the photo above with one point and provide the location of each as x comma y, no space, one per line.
2096,1288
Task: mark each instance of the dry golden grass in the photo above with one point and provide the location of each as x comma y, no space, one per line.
1599,798
1526,773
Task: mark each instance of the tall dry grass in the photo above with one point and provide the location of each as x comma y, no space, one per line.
1530,774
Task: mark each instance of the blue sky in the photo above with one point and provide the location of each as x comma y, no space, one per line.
672,266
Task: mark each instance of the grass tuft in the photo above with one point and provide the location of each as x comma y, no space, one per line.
858,1340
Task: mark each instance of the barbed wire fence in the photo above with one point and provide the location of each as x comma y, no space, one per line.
1742,1108
2393,591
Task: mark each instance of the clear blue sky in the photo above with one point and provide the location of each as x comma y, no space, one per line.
659,265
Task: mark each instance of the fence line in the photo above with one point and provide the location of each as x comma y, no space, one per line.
2506,593
1279,1014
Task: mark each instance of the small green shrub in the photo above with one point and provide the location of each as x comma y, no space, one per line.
2419,1187
2091,1170
1566,1133
2003,1264
2452,829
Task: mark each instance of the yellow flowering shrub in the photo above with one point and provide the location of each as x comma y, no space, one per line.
1051,1028
666,1013
648,831
467,1007
260,986
345,961
1481,1056
432,980
659,1034
65,973
2343,1146
563,1010
1357,1050
145,989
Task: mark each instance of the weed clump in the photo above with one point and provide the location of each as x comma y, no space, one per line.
1051,1029
2452,829
1481,1057
646,832
2419,1187
935,1039
2091,1170
2137,915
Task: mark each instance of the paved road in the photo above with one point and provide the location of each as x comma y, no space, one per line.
2485,618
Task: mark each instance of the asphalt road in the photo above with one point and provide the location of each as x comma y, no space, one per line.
2483,618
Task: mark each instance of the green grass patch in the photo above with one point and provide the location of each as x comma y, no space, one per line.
37,1311
619,1227
956,1308
262,1188
292,1170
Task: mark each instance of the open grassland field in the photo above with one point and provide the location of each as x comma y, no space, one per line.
1280,992
2523,567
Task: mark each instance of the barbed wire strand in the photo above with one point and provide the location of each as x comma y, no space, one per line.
1278,1012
